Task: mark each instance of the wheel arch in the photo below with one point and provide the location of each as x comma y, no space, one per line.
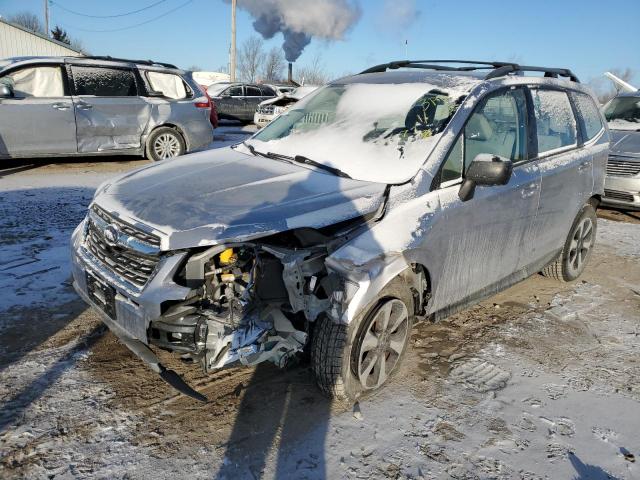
173,126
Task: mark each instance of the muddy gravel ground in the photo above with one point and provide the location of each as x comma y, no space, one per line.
540,381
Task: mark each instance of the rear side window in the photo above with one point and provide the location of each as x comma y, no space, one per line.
555,123
253,92
268,91
588,115
168,84
39,82
104,82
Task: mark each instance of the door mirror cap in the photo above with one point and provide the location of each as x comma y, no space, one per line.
486,170
5,91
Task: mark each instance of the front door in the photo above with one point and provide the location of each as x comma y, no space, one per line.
110,114
483,238
231,103
38,119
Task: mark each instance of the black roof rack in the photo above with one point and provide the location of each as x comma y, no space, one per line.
498,69
140,62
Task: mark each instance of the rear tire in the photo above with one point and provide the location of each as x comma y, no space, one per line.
350,361
165,142
577,248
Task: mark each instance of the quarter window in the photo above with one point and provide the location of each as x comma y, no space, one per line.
588,114
555,123
104,82
497,127
168,84
39,82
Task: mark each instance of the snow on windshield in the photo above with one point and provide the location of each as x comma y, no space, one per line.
374,132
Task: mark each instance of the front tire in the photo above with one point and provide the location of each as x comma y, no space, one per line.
577,248
165,142
350,361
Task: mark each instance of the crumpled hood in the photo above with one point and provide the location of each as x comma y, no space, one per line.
625,143
225,195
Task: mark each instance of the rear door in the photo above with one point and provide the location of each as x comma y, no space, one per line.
565,167
39,119
231,103
110,113
252,99
482,239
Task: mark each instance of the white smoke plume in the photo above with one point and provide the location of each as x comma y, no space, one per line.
301,20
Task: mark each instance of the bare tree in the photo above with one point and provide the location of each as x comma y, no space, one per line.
605,89
314,73
28,20
250,59
273,65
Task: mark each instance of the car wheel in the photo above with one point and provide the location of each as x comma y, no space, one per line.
350,361
577,248
165,142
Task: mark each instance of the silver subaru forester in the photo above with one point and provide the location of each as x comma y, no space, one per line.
65,106
395,194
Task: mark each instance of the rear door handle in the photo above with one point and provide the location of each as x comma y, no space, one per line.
84,106
61,106
529,190
584,165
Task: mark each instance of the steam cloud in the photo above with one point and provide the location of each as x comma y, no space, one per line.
301,20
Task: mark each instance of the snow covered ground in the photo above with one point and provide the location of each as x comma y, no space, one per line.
539,382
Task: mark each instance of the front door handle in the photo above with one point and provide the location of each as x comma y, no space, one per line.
584,165
84,106
529,190
61,106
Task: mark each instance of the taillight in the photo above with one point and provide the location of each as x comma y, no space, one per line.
206,104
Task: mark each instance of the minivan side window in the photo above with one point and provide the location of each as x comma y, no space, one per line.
498,127
104,82
588,115
555,123
39,82
169,85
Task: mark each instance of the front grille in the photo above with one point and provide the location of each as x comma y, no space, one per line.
266,109
126,228
621,167
134,266
616,195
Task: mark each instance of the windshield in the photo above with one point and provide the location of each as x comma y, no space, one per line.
375,132
623,113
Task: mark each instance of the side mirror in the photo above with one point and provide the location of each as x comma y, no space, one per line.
485,169
5,91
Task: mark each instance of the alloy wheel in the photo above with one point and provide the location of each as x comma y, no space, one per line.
381,343
166,145
579,247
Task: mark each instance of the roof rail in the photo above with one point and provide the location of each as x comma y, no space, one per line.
498,69
141,62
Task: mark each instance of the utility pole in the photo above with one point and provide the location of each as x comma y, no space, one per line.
46,18
232,67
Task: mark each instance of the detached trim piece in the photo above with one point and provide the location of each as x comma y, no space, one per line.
498,69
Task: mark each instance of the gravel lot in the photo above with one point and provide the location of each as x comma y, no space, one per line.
541,381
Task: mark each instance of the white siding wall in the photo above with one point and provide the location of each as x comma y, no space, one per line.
15,42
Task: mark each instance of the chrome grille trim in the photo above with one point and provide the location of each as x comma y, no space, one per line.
127,229
622,167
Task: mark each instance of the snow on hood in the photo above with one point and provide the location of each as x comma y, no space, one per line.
625,143
622,124
224,195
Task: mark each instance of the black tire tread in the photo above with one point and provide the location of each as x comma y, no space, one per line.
327,354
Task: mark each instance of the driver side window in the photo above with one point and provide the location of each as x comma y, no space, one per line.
234,91
39,82
497,127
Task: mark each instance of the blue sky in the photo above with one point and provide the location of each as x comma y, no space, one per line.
587,36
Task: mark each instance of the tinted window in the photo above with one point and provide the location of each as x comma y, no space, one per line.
38,82
588,114
104,82
234,91
253,92
555,123
498,127
268,91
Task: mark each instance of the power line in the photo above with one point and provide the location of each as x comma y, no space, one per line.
131,26
62,7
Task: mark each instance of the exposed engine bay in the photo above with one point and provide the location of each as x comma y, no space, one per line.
250,302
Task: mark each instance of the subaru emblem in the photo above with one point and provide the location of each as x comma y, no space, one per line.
111,235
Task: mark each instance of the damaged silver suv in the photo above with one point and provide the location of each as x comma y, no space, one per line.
389,195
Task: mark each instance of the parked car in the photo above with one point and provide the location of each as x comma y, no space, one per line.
343,220
270,109
238,101
622,186
60,106
281,88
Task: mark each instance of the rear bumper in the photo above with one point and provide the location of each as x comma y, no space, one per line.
622,192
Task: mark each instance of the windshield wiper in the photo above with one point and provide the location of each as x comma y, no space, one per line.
297,159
